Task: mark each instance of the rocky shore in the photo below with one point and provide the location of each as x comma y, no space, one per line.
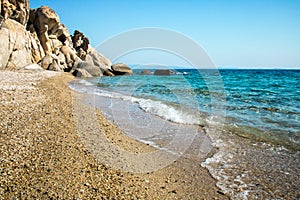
36,36
43,157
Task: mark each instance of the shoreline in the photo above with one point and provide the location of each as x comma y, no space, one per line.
243,167
43,157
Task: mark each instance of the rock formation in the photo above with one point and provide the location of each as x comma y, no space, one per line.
17,45
121,69
82,73
80,42
91,69
38,36
51,33
146,72
17,10
163,72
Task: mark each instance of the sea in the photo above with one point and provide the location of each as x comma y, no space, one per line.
251,116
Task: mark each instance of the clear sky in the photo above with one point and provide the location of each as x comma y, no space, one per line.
234,33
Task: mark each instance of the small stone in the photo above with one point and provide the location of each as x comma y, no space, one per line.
221,192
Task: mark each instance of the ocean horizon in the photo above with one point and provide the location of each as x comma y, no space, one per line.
160,66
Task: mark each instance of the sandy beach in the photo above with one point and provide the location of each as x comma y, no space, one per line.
149,103
43,157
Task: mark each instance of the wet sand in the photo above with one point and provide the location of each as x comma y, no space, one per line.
250,169
43,156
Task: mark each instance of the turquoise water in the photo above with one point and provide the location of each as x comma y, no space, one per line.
264,104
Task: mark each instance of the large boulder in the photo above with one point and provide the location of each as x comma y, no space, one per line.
100,61
51,33
46,61
70,55
61,60
121,69
54,62
15,43
108,72
163,72
17,10
81,73
91,69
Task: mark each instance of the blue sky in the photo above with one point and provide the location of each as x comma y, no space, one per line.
237,33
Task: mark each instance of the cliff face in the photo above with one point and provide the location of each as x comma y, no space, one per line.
37,36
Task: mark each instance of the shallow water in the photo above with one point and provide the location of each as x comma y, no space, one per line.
262,105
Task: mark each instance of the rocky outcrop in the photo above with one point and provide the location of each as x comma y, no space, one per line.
91,69
17,45
146,72
80,42
70,55
163,72
38,36
51,33
17,10
121,69
99,59
81,73
37,51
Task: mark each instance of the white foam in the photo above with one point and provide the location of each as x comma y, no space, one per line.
168,112
153,144
85,82
156,107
